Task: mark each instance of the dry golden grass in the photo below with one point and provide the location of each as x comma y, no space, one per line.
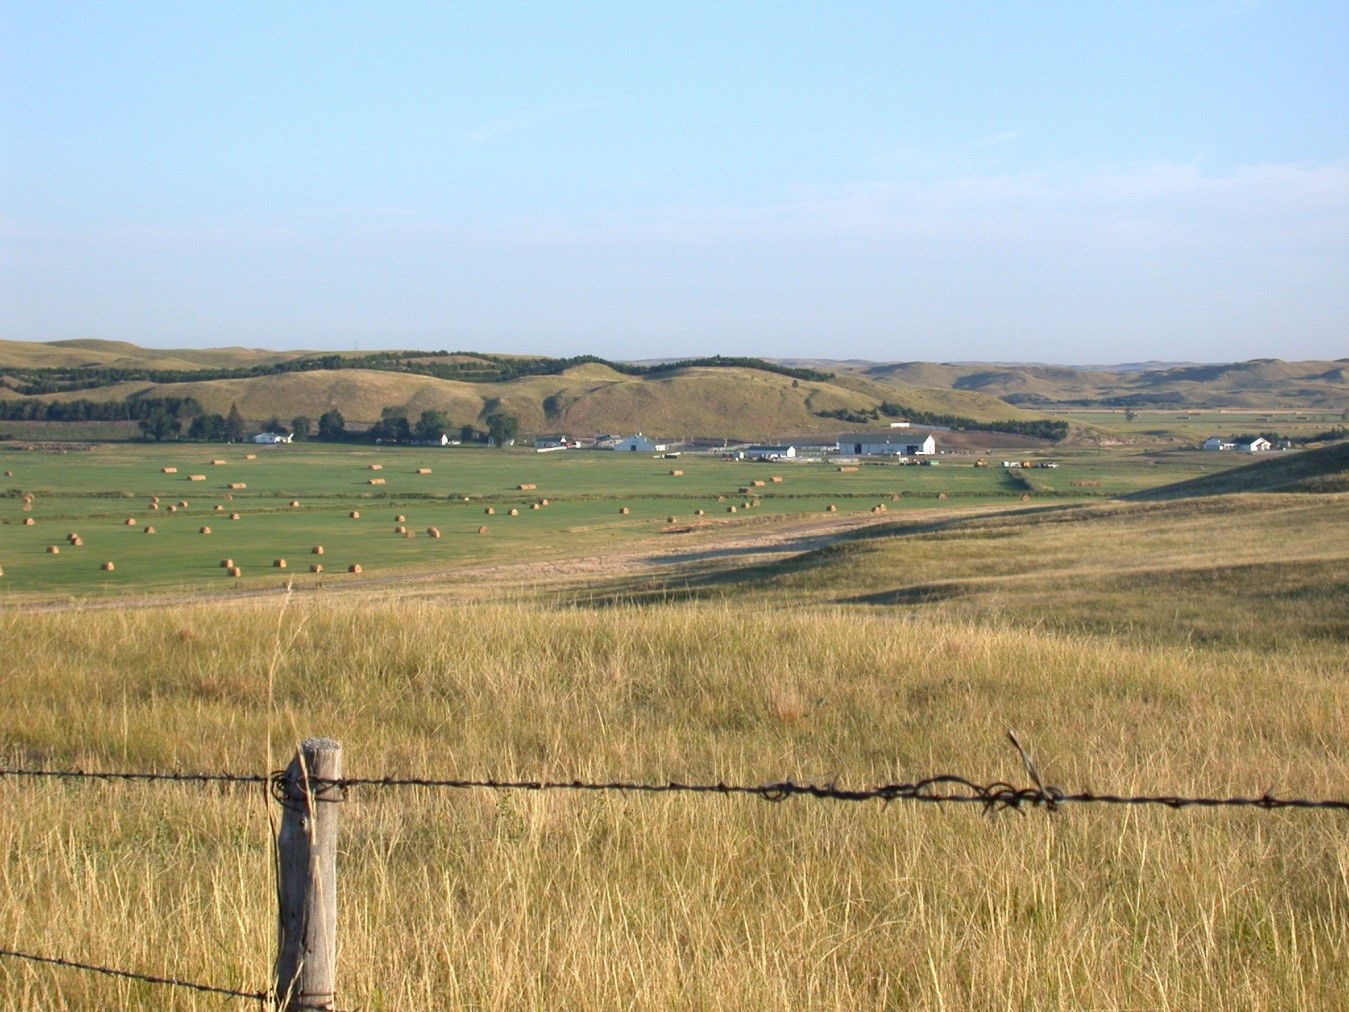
518,900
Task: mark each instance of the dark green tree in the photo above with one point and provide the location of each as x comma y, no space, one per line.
235,426
301,426
431,425
207,427
502,428
332,426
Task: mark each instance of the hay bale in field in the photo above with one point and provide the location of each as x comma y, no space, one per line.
757,483
76,541
730,509
355,514
776,479
423,470
217,463
204,530
526,486
941,495
168,470
676,473
129,522
2,568
399,519
53,550
400,529
182,504
219,508
294,503
831,508
173,509
671,519
149,529
375,467
250,456
482,530
316,567
28,498
196,477
742,490
490,510
432,532
847,468
28,521
374,481
236,484
316,550
234,516
235,571
355,567
410,534
699,513
278,563
543,502
754,502
514,512
1025,498
624,510
9,474
535,506
108,567
721,498
226,563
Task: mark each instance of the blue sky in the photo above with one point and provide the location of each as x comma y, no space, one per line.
1075,183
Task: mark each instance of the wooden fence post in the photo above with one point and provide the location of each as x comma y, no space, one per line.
306,858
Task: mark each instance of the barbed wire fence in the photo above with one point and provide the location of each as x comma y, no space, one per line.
305,844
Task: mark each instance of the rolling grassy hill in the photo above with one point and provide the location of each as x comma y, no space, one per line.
1325,469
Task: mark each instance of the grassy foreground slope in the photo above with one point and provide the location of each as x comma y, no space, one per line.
545,901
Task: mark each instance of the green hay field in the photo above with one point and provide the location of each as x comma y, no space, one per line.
92,493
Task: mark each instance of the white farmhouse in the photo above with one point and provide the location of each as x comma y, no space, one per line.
886,444
770,452
271,438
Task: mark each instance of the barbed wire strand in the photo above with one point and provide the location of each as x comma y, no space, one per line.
261,997
940,789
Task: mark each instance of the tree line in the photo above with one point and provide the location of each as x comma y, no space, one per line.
1039,428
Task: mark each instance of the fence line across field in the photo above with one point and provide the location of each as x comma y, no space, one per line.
312,787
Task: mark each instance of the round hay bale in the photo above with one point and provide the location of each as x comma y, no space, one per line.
535,506
355,567
53,550
226,563
219,508
250,456
847,469
400,529
432,532
294,503
624,510
742,490
375,481
217,463
699,513
169,470
490,510
399,519
173,509
28,521
754,502
108,567
721,498
316,550
375,467
730,509
182,504
355,514
941,495
543,502
76,542
196,477
278,563
410,534
514,512
676,474
154,505
2,570
831,508
235,571
149,529
204,530
234,516
28,498
237,484
9,474
1025,498
776,479
482,530
129,522
525,486
671,519
758,483
227,497
316,567
423,470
